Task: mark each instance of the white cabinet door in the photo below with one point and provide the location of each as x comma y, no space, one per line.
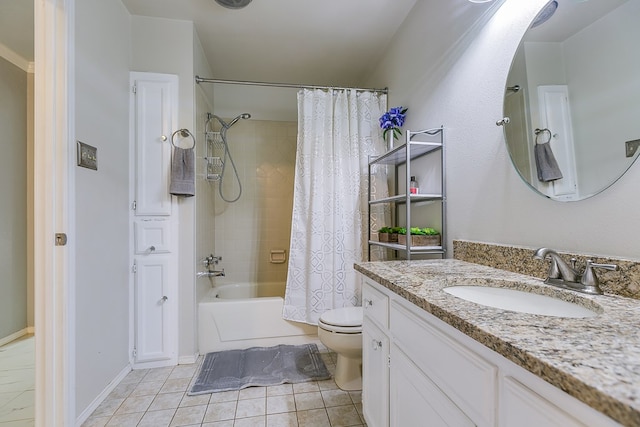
154,303
375,375
155,117
416,401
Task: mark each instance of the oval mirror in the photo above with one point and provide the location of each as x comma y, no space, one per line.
573,97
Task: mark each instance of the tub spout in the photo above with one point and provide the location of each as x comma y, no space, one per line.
210,273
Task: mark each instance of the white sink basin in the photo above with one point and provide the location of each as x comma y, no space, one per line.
520,301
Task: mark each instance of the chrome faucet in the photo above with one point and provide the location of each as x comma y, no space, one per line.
210,273
564,276
209,263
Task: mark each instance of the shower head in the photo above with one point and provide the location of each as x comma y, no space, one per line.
233,4
241,116
546,13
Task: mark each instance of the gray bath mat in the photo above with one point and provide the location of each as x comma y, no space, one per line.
259,366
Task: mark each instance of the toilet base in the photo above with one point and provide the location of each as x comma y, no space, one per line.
348,376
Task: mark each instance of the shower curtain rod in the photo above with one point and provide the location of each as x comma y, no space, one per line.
288,85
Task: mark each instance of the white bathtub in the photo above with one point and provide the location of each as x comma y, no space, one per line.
242,315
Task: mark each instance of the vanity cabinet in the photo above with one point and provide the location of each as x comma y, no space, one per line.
437,376
423,144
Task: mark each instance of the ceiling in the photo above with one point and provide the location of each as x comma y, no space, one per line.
319,42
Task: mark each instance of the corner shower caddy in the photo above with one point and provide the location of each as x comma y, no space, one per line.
427,142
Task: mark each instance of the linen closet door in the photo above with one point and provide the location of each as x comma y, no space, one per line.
154,340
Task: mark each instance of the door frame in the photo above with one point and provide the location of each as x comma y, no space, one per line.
54,287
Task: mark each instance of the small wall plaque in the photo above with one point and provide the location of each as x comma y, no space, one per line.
87,156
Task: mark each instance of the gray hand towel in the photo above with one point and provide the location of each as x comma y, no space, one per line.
548,169
183,172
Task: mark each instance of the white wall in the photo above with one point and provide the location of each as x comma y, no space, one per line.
101,198
13,196
487,200
167,46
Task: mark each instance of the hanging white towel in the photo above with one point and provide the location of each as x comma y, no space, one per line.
546,164
183,172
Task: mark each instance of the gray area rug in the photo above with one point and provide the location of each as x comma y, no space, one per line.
259,366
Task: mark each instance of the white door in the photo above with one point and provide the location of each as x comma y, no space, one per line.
154,113
375,375
154,304
154,337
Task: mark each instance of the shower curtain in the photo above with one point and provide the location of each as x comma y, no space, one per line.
337,132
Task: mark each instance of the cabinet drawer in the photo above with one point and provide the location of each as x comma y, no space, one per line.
375,304
469,380
152,236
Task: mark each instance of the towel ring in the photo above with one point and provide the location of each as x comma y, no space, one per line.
183,133
542,131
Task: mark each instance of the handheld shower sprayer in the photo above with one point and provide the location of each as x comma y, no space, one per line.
224,126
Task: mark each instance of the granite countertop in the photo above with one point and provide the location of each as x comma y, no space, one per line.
596,359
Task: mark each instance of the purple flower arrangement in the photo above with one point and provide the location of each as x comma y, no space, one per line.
393,120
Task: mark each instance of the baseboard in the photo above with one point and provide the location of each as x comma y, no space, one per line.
188,360
102,396
14,336
31,329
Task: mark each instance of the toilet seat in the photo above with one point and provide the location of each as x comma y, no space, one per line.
346,320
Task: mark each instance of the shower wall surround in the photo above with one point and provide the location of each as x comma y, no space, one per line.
624,282
260,221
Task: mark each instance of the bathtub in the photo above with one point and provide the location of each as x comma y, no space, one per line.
242,315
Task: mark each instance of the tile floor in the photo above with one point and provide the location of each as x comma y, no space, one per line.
157,397
17,382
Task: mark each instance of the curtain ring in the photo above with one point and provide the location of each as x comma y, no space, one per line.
542,131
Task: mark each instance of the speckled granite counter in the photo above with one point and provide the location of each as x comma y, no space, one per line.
596,360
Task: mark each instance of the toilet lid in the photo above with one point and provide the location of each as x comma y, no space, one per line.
347,316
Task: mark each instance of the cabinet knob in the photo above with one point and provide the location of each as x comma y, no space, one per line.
367,303
152,248
163,137
375,344
164,298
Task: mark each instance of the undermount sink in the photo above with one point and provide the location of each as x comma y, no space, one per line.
520,301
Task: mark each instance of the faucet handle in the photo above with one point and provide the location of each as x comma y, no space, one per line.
589,278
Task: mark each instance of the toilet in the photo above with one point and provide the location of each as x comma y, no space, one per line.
340,330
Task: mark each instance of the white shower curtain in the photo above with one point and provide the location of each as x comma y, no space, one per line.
337,132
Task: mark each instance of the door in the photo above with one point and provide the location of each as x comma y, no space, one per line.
154,336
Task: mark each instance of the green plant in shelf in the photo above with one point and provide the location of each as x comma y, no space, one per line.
397,230
385,230
427,231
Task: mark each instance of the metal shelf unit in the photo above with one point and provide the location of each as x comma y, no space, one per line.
418,144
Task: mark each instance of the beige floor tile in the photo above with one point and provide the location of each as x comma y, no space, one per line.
158,374
108,407
122,391
342,416
279,404
179,384
313,418
146,388
157,418
134,376
224,396
336,398
327,385
305,387
183,371
135,404
281,389
305,401
96,421
125,420
289,419
189,415
252,393
227,423
251,407
356,396
220,411
22,407
250,422
200,399
166,401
